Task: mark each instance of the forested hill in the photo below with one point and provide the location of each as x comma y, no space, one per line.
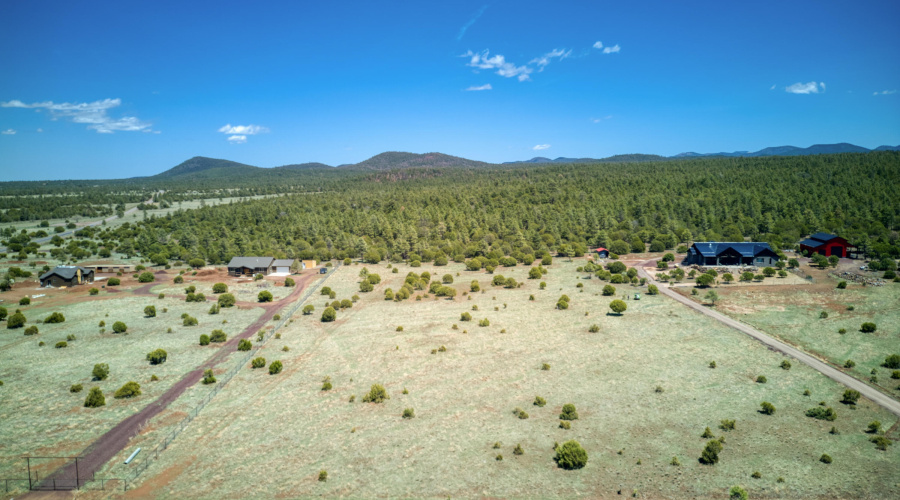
393,160
200,164
426,213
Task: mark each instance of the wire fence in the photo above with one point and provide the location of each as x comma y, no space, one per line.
153,454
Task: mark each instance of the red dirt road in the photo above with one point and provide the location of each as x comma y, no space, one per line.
116,439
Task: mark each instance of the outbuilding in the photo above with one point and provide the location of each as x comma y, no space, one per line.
602,253
67,276
826,244
731,253
307,264
282,266
248,266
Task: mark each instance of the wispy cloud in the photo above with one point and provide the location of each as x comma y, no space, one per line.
598,44
806,88
540,147
612,50
545,59
94,114
8,131
885,92
486,86
598,120
243,129
483,60
772,87
237,139
462,31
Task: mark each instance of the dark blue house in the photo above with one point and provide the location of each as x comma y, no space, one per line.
726,253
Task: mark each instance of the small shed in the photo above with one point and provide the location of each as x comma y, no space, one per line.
248,266
282,266
307,264
602,253
67,276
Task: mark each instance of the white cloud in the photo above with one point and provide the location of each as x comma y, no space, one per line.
243,129
540,147
486,86
885,92
8,131
612,50
40,130
462,31
237,139
482,60
806,88
598,120
94,114
545,59
772,87
598,44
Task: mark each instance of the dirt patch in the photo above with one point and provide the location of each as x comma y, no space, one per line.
152,487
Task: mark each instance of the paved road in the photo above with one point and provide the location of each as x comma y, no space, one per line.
888,403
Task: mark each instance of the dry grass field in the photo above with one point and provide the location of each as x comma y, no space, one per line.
642,386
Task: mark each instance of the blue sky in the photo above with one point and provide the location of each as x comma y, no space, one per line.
121,89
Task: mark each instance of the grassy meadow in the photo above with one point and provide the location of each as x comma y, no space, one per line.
642,386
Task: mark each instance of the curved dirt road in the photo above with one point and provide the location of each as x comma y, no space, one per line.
876,396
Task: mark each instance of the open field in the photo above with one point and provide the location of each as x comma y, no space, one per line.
793,315
41,416
269,436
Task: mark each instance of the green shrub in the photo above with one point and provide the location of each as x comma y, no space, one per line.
737,493
822,413
55,318
409,413
329,314
101,371
562,305
71,337
157,357
75,388
258,362
93,291
712,364
867,327
95,398
323,475
842,285
189,321
61,344
31,330
767,408
264,296
881,442
129,390
545,367
568,412
539,401
707,434
24,301
220,288
761,379
825,458
326,384
570,455
208,377
150,311
565,424
117,281
520,413
17,320
226,300
652,290
785,365
146,277
710,454
484,322
727,425
204,339
874,427
849,363
618,306
119,327
178,280
377,394
609,290
244,345
850,397
594,328
892,362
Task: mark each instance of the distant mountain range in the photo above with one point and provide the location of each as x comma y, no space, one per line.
817,149
201,168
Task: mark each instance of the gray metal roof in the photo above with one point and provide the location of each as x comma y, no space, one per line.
283,262
65,272
251,262
745,248
822,238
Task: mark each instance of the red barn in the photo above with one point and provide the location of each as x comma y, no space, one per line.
602,253
826,244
